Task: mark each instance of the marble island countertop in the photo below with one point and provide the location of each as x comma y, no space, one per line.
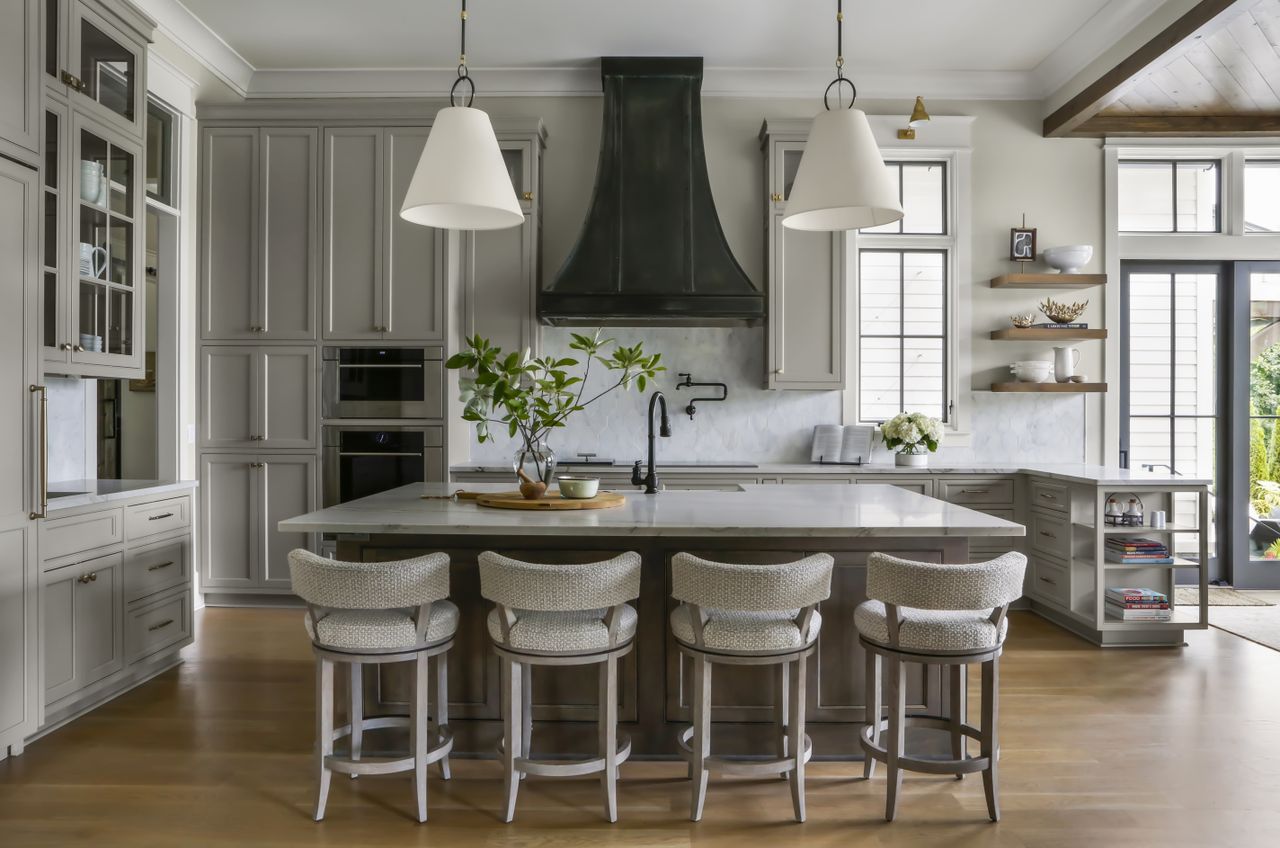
755,511
71,494
1075,472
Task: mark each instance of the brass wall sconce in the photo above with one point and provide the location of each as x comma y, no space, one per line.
918,117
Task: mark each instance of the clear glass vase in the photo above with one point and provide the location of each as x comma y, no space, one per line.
537,460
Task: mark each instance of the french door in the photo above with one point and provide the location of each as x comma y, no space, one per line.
1200,395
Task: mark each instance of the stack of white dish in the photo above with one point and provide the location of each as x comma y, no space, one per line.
1032,371
90,342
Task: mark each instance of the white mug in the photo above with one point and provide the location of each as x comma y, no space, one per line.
90,266
91,182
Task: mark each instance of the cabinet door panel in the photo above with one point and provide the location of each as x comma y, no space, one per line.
229,220
412,302
16,616
286,396
57,623
99,619
353,226
228,503
229,411
500,286
289,489
20,78
290,211
806,311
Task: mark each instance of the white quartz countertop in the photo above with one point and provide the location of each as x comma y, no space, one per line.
1068,472
756,511
89,492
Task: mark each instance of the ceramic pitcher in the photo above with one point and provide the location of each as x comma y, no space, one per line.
1065,360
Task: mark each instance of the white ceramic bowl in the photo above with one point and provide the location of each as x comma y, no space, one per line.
1068,259
578,487
1032,371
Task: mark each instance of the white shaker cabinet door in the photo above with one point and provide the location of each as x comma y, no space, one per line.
289,263
412,302
229,397
229,220
290,488
230,520
286,389
20,80
354,208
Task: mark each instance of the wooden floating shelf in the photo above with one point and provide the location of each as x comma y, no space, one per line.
1049,387
1048,281
1046,334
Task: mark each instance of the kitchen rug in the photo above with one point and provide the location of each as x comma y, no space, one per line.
1219,596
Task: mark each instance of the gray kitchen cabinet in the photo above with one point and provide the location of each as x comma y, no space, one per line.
83,624
501,268
20,84
260,241
20,474
260,397
383,276
807,279
244,496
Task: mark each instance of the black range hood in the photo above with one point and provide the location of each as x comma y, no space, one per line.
651,251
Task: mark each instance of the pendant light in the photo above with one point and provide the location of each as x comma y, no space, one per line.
461,182
842,183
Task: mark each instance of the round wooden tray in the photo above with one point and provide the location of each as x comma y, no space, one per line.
551,500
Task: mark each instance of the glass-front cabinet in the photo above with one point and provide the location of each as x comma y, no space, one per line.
95,54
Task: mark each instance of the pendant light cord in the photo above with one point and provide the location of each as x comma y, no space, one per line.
840,79
463,74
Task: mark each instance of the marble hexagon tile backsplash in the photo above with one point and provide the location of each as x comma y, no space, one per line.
758,425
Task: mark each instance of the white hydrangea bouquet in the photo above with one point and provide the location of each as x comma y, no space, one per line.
913,436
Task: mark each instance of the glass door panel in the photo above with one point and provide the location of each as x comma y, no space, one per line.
107,70
1260,562
51,236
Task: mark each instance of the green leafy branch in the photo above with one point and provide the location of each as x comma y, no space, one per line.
530,396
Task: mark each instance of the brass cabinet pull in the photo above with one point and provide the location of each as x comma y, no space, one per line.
78,348
160,516
528,195
71,81
64,346
162,625
775,197
43,449
1047,533
83,578
160,566
975,491
1048,496
91,577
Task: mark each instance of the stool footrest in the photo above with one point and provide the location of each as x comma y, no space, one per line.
569,768
749,768
967,765
442,747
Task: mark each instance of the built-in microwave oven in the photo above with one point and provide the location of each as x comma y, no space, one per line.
359,460
383,382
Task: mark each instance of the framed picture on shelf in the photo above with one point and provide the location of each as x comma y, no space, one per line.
1022,244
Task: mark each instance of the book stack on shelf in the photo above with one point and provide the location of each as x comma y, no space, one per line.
1138,605
1130,550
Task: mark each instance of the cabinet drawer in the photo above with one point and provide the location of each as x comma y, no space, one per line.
157,517
976,492
1049,533
1050,581
155,568
73,534
157,626
1053,496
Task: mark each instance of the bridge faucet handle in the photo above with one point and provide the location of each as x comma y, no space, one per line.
637,478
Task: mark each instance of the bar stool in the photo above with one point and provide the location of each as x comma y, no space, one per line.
560,615
749,615
372,613
935,614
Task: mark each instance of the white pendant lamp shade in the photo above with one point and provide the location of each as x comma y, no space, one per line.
842,182
461,182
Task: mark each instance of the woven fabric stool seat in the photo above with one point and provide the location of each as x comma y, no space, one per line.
764,615
949,615
560,615
363,613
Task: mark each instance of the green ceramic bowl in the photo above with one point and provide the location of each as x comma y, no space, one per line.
578,487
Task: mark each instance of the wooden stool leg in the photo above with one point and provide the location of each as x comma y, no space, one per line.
796,732
780,710
356,711
324,731
608,721
419,738
701,734
526,712
990,735
895,744
511,734
873,709
959,707
442,705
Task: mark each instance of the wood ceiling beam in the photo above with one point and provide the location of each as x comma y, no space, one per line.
1175,126
1085,105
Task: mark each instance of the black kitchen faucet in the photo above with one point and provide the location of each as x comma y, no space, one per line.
650,480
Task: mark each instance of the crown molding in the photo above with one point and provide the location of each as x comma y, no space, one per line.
181,26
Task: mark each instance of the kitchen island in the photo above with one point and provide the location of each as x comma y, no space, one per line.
756,523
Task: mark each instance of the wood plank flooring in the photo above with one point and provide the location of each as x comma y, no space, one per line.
1168,747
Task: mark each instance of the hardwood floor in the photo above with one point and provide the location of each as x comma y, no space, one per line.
1167,747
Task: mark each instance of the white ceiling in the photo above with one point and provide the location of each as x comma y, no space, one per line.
1007,47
